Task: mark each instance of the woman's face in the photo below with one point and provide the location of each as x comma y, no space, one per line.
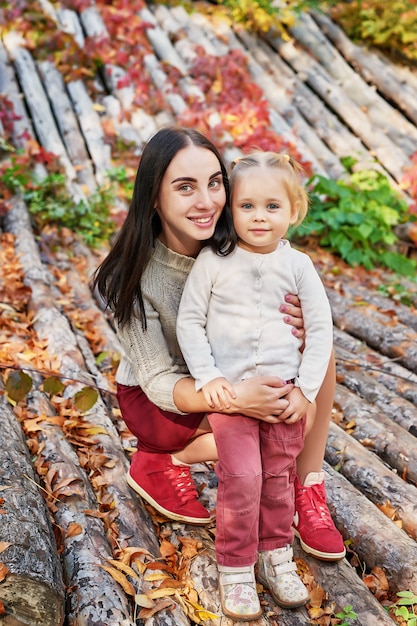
190,200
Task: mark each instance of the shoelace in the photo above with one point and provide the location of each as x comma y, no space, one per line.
180,478
318,515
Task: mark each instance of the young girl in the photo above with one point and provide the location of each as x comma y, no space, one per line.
228,330
180,191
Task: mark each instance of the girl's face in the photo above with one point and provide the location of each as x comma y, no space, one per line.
190,200
261,209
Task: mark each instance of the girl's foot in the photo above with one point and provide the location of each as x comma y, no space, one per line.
238,595
278,572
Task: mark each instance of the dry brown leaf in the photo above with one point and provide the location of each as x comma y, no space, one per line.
167,549
367,443
350,425
124,568
388,510
155,577
144,601
4,545
4,570
377,583
171,583
157,565
190,547
74,529
161,593
133,554
317,595
160,605
119,577
70,486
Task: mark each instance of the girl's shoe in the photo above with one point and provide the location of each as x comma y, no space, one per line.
238,595
278,572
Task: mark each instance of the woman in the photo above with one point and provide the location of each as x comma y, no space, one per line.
180,191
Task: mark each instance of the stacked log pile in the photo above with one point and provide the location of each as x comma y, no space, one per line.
84,550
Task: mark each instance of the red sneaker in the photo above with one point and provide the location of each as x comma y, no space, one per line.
167,487
313,523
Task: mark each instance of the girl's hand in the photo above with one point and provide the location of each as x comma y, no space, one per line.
218,393
297,407
262,397
293,315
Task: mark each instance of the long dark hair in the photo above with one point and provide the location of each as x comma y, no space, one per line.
118,278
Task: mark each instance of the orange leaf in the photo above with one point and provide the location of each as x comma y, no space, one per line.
123,567
120,578
163,603
74,530
167,549
3,571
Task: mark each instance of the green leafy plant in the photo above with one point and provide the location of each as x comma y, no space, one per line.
390,25
50,203
355,218
258,15
397,292
404,607
347,615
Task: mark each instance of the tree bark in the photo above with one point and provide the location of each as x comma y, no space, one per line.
345,588
372,67
374,538
310,71
378,380
134,526
33,590
383,117
378,433
375,327
373,478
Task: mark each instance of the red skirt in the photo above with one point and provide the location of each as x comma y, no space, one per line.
156,430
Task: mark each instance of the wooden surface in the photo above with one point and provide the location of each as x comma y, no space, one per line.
328,110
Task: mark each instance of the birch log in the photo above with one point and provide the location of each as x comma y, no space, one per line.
33,589
374,537
373,478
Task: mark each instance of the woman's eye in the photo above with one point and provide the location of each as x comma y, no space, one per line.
185,187
215,183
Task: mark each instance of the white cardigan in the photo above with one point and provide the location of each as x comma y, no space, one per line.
229,323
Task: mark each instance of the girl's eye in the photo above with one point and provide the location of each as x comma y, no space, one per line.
247,205
273,206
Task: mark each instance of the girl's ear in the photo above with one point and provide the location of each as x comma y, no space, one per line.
295,211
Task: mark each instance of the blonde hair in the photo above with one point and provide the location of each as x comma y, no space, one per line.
290,170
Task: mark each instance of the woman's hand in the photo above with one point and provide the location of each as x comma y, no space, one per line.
293,315
262,397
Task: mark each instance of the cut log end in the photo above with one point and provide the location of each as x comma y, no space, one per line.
28,601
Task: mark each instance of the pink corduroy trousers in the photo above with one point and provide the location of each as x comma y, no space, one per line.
256,471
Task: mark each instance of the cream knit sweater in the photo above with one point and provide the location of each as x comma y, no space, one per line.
152,358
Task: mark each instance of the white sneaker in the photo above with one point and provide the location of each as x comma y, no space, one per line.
238,595
278,572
